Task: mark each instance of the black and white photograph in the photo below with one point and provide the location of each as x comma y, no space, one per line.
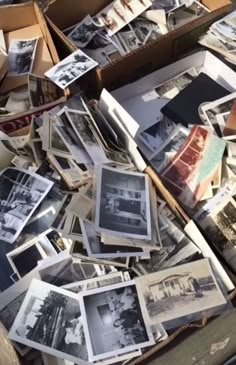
99,282
21,55
84,32
155,135
167,150
223,105
64,269
11,301
102,49
145,31
42,91
226,27
50,321
184,14
123,203
114,321
219,226
96,248
167,5
172,87
25,258
180,291
20,194
56,144
176,247
65,131
81,123
70,69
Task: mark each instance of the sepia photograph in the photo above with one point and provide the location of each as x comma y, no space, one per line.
123,203
114,321
20,194
70,69
84,32
50,321
121,12
96,248
180,291
172,87
21,55
42,91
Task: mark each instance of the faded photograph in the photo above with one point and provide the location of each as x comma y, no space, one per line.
180,291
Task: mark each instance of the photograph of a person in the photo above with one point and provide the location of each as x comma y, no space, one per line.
84,32
114,321
21,192
70,69
180,291
123,203
21,55
50,321
42,91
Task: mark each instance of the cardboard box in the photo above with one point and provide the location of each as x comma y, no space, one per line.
19,22
139,62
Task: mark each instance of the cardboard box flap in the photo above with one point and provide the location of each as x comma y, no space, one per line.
42,61
215,4
14,17
75,11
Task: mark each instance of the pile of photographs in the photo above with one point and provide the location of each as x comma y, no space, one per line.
221,37
126,25
36,92
94,266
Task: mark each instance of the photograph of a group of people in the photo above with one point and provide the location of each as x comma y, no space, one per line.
115,319
20,193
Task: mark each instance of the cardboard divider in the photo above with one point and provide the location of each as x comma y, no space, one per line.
14,17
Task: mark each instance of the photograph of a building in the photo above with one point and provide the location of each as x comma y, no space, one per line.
180,291
123,203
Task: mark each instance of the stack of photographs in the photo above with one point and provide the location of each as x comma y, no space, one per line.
221,37
124,26
95,267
